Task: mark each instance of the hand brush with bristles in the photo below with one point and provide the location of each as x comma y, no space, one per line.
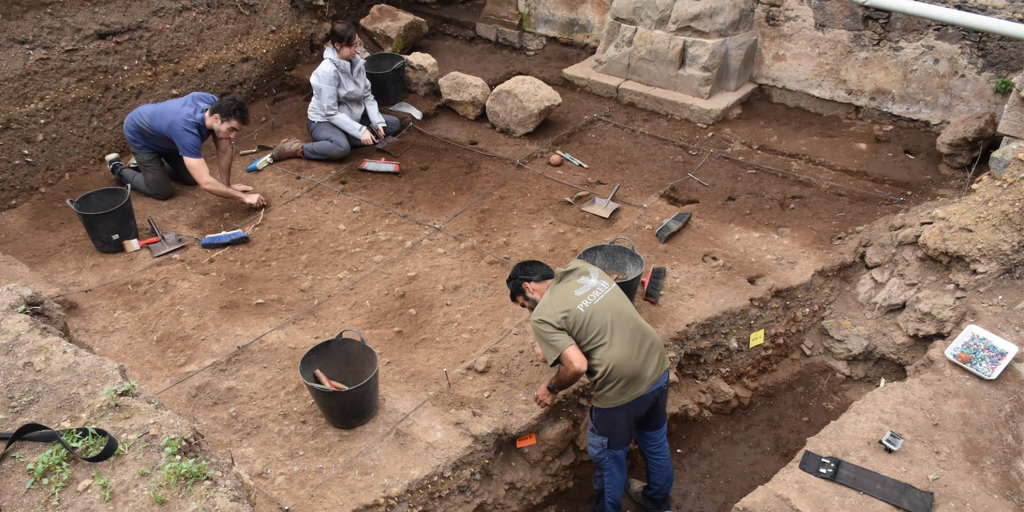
381,165
652,284
224,239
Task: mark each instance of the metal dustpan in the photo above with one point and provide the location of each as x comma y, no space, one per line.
602,207
169,242
392,146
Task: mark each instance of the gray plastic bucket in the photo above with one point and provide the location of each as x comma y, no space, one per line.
621,259
351,362
108,217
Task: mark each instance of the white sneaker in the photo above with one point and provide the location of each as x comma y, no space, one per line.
112,159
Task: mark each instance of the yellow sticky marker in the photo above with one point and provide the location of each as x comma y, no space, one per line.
756,338
526,440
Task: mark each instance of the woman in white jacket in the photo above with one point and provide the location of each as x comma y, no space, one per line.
342,112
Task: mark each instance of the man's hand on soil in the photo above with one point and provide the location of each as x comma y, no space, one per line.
254,200
241,188
543,397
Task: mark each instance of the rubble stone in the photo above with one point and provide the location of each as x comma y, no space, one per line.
466,94
393,29
421,73
519,105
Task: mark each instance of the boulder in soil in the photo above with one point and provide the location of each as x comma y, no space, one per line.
895,294
421,73
519,105
964,139
1001,158
845,341
930,313
466,94
394,30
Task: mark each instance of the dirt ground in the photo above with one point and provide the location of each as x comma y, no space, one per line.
416,263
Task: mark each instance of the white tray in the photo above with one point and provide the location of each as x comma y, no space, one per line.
954,348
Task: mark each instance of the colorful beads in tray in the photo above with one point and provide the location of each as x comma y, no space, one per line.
985,357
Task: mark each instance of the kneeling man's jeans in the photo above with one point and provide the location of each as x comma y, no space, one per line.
608,438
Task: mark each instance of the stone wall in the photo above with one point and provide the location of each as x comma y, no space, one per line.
525,23
578,20
839,51
687,46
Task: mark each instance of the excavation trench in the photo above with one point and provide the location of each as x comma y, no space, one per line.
726,439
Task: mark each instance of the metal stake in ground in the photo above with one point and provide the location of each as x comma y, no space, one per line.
698,179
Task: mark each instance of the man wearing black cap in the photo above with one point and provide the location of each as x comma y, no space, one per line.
585,324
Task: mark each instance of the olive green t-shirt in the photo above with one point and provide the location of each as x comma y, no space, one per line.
583,306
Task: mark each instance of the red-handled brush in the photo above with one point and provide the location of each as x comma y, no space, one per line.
652,284
135,244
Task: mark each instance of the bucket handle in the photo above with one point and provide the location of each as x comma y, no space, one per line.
631,244
399,63
361,338
71,202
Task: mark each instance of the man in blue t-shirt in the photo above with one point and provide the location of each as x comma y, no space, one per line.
166,140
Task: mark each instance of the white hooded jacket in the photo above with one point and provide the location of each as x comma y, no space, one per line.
341,93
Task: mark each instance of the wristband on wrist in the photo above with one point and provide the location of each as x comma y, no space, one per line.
552,389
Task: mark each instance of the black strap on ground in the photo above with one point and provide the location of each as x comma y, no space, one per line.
896,493
43,434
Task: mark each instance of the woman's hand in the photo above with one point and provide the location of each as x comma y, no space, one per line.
366,137
380,132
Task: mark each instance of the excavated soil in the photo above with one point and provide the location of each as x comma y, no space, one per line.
721,460
417,261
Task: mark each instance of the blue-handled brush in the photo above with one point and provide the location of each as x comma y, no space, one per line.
224,239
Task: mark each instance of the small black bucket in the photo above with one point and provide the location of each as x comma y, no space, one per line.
386,73
108,217
621,259
351,362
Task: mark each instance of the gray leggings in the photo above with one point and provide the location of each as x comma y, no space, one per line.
154,174
331,143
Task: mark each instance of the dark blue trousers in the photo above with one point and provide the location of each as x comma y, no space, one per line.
609,435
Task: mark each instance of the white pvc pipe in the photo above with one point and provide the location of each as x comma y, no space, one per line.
948,16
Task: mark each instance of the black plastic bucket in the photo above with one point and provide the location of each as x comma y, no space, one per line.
621,259
108,217
351,362
386,73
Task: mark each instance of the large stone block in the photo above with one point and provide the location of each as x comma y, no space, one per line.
1012,123
702,59
691,108
393,29
649,14
711,19
421,73
965,138
519,105
502,13
655,58
584,76
578,20
740,54
464,93
613,56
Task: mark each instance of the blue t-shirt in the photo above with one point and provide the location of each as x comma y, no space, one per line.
175,126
